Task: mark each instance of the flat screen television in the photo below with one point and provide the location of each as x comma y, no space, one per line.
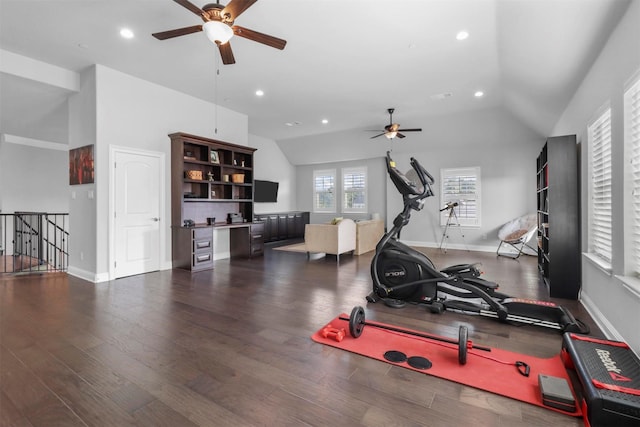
265,191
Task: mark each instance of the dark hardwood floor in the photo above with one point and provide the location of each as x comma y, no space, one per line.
232,347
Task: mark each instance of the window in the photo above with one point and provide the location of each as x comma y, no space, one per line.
632,185
324,194
461,186
354,186
599,134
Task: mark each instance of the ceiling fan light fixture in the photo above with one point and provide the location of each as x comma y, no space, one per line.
391,135
217,32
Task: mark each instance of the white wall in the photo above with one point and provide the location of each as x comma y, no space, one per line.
33,179
376,194
114,108
614,305
82,207
492,139
271,164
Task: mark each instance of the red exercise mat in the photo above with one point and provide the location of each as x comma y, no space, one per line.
493,371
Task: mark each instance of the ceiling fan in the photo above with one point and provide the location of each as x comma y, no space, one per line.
218,26
393,129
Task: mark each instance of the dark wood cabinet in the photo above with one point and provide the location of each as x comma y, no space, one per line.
283,225
210,179
248,241
559,217
192,248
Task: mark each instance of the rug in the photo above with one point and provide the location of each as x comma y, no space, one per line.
494,371
296,247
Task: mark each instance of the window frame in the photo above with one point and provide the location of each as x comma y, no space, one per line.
362,170
600,213
324,173
464,220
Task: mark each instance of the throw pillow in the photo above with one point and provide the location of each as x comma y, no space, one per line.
336,220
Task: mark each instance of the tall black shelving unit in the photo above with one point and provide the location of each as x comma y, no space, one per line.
559,217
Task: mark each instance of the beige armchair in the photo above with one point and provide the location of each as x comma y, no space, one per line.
331,239
368,234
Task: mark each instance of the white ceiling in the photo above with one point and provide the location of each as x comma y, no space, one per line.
346,61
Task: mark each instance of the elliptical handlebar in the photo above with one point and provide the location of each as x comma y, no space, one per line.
405,186
426,178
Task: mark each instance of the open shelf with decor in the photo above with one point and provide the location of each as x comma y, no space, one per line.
211,181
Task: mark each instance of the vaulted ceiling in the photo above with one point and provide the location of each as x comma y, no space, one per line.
345,61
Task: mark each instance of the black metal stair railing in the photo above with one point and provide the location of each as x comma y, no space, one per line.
34,242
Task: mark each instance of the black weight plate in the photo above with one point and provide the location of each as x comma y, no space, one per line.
419,362
356,321
395,356
463,336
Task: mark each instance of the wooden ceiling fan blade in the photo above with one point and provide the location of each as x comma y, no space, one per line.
188,5
177,32
377,135
410,130
226,53
236,7
259,37
399,135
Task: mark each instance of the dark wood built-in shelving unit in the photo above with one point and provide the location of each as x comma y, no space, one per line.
558,217
210,179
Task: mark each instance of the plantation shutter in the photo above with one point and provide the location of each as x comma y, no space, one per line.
600,221
354,185
461,186
324,199
632,138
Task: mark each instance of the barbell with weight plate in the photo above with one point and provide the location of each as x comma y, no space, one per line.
357,322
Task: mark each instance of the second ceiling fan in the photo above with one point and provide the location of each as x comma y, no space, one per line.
219,26
393,130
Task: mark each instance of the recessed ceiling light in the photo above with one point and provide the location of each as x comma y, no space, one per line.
462,35
478,94
259,92
439,96
325,121
126,33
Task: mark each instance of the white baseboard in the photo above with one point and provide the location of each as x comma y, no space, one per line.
456,246
605,326
87,275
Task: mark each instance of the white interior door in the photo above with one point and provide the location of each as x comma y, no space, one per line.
137,213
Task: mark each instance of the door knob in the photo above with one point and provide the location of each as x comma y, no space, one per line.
155,219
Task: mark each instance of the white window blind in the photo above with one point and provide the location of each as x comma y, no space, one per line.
461,186
324,197
600,209
354,186
632,140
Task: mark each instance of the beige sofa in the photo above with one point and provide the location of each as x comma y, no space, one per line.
331,239
368,234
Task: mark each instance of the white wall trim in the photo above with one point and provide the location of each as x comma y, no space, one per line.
87,275
456,246
605,326
32,69
38,143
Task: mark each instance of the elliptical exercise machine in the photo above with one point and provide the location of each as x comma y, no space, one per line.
402,274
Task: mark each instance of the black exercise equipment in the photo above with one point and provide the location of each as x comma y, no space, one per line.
357,322
609,372
402,274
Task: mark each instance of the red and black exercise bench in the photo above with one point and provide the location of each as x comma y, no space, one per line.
609,373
